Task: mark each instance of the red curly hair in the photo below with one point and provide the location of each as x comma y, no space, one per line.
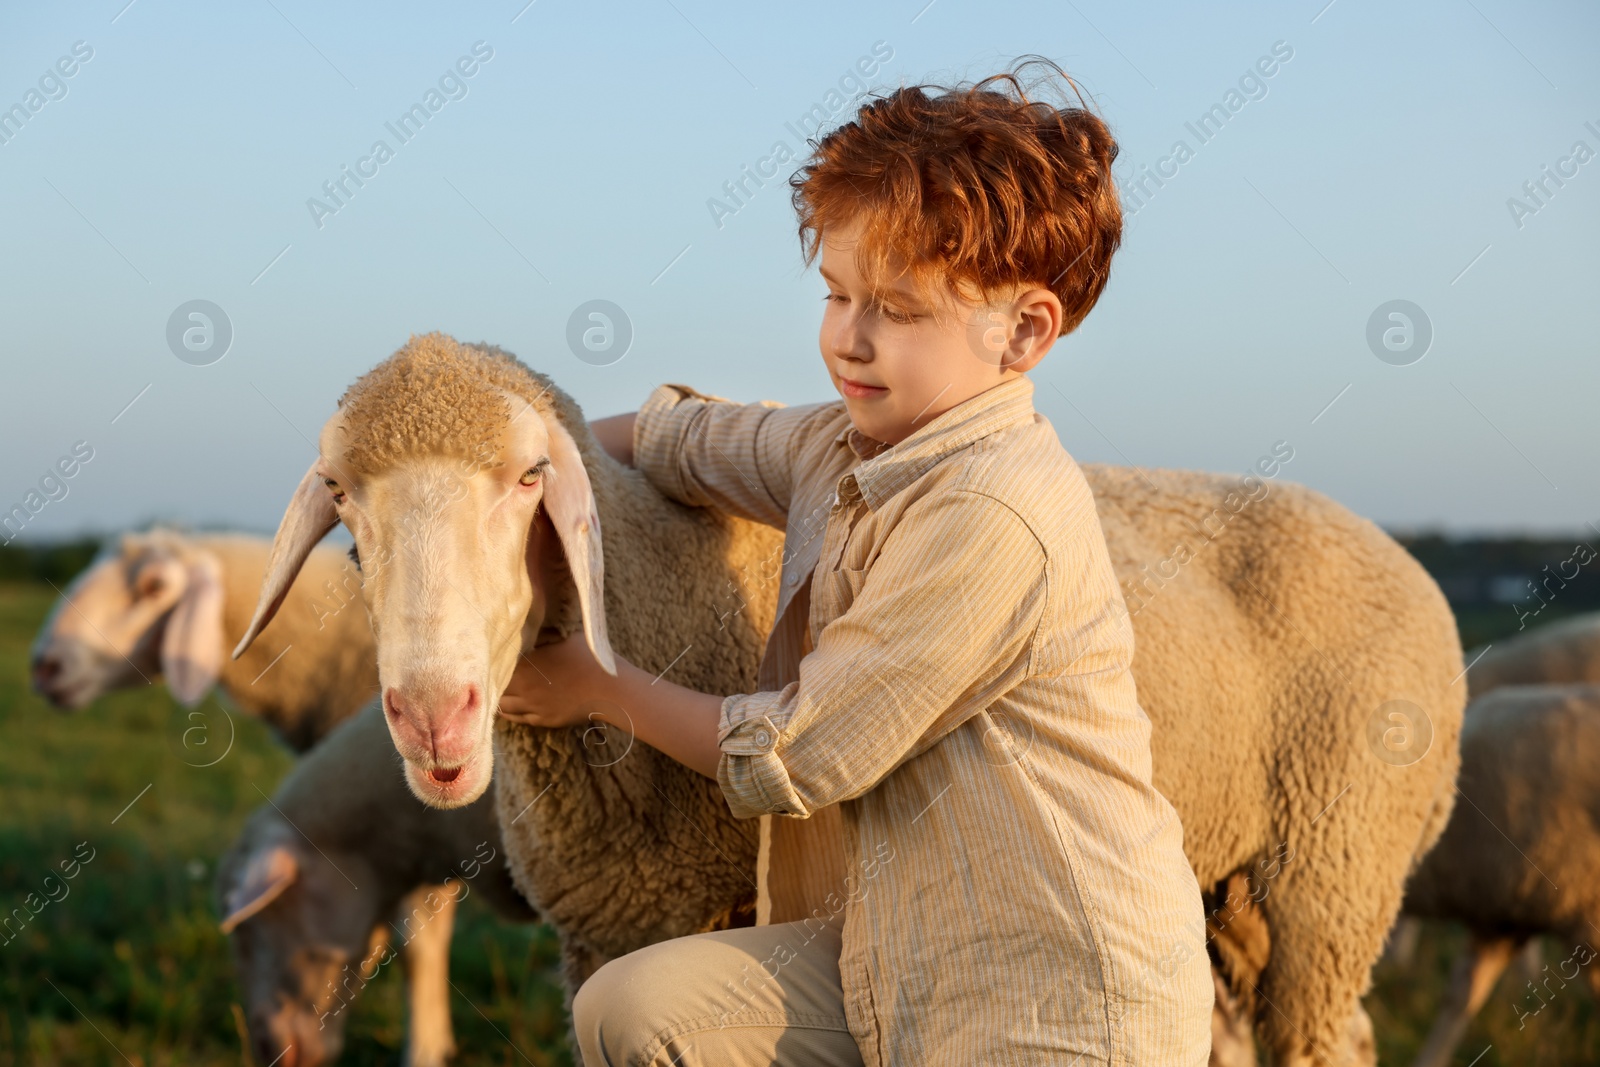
978,187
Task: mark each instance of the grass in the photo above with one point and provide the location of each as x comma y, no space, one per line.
128,967
1511,1031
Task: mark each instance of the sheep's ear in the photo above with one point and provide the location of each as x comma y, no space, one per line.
191,645
266,876
306,521
570,502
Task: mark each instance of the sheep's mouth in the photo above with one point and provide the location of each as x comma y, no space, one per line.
67,696
455,786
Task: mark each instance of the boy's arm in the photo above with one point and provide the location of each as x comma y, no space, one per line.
615,434
942,627
705,451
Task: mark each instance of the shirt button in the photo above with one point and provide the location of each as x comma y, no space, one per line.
761,734
794,579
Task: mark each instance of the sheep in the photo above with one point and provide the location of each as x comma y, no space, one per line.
1275,632
1522,857
616,845
1563,651
167,603
1277,638
311,892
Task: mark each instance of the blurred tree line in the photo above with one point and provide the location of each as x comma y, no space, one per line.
1496,586
1499,587
46,561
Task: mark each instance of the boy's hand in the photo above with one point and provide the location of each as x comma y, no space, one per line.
557,684
562,684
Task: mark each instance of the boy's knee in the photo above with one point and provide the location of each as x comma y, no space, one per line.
588,999
603,989
619,1011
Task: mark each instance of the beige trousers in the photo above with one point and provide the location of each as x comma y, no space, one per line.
759,995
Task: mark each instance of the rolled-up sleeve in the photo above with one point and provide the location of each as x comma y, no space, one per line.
942,625
706,451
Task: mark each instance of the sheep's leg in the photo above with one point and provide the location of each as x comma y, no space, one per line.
430,1041
1363,1041
578,962
1310,989
1530,961
1232,1041
1401,948
1473,979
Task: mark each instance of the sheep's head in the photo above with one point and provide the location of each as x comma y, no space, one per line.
438,462
151,604
304,941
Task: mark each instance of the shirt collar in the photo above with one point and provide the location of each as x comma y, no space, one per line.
887,469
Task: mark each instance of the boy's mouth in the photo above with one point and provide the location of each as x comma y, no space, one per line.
860,390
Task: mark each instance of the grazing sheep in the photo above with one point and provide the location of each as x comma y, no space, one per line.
312,892
1563,651
166,603
1522,857
437,461
1276,634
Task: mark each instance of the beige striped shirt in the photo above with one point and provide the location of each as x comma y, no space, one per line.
948,707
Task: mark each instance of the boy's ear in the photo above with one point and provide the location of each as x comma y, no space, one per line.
1018,337
1037,322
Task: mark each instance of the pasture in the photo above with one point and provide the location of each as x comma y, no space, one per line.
129,966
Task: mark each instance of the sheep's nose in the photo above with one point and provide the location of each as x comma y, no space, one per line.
46,669
437,726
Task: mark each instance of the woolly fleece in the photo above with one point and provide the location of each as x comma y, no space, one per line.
617,845
1263,662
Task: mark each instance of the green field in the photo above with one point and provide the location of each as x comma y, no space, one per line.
131,969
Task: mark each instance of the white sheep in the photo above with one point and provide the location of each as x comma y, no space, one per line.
1564,651
438,460
1281,645
312,893
1278,638
1522,857
166,604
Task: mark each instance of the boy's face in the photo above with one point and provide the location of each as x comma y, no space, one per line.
900,361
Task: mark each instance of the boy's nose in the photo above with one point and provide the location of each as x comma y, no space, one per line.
847,345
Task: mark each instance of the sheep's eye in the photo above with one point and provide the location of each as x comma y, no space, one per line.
333,486
355,557
532,474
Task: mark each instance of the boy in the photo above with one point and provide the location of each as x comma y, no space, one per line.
948,718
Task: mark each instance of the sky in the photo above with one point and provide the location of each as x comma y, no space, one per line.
1393,154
